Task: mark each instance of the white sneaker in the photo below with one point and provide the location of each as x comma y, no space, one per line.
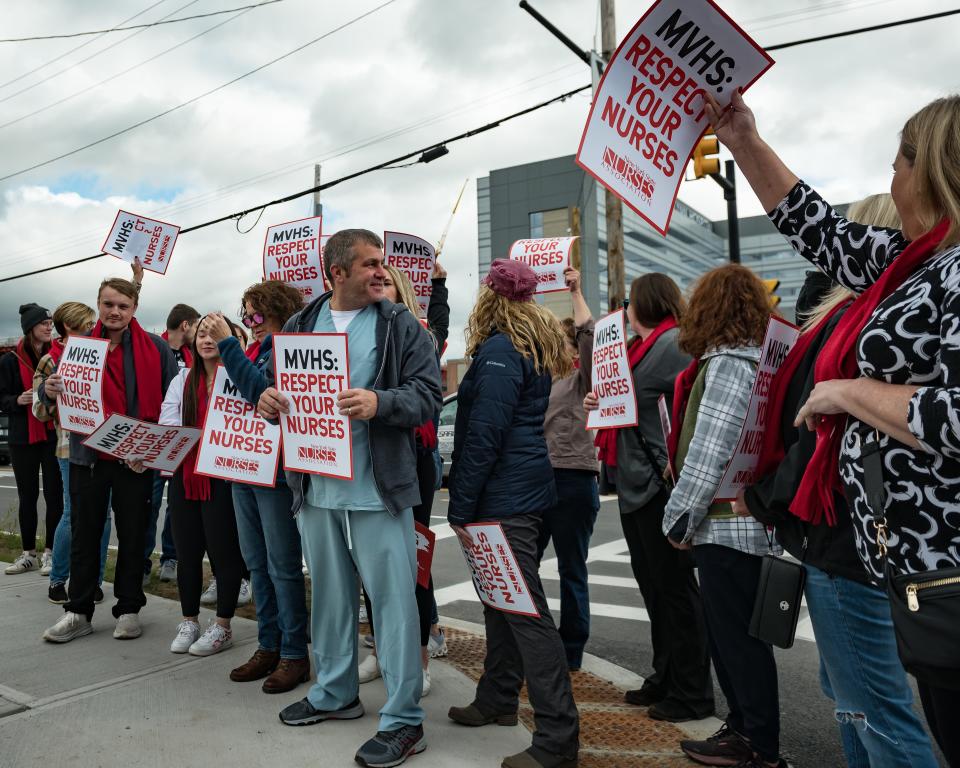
216,638
187,634
246,594
69,627
26,562
209,596
46,563
437,645
369,669
363,618
128,627
426,683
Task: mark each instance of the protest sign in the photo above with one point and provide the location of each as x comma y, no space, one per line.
496,573
150,240
323,264
648,113
665,429
311,369
425,541
415,257
548,257
779,339
291,254
157,446
238,444
80,403
611,376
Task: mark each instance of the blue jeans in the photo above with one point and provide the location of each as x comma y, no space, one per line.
570,524
861,672
167,549
61,537
270,543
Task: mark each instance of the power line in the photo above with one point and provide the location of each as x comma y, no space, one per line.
77,48
873,28
137,26
119,42
201,96
437,146
123,72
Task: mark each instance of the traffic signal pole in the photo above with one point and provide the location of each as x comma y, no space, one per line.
728,182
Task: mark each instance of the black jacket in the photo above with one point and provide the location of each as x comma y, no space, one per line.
501,466
11,387
831,549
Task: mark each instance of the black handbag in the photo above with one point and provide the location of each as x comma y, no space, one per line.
925,607
776,609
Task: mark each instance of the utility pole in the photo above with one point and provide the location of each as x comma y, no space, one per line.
612,205
317,205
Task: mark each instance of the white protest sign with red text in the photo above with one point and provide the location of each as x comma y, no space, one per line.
496,573
291,254
425,542
81,366
415,257
157,446
150,240
779,339
238,444
648,113
311,369
611,376
664,412
548,257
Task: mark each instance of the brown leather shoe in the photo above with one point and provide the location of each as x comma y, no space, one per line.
287,676
261,664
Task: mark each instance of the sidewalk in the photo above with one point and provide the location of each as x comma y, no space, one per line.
104,702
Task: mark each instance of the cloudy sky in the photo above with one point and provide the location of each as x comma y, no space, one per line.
406,76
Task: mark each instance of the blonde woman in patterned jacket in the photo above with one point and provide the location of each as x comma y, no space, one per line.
891,370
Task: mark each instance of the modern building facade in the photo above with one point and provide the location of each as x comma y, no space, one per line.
554,198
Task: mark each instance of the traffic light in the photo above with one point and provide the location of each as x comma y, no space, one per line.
771,285
705,160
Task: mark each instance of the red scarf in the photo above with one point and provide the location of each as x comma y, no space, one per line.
606,439
426,435
56,350
771,449
197,487
252,350
37,431
838,360
682,387
146,364
184,350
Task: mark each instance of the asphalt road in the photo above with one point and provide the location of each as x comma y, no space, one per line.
619,628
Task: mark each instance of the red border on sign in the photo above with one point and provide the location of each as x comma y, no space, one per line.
569,249
408,234
296,221
102,372
140,421
103,248
593,105
519,573
346,349
636,408
232,479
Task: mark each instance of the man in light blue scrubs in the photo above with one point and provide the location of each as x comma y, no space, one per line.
366,525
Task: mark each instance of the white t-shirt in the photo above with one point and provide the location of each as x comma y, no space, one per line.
343,317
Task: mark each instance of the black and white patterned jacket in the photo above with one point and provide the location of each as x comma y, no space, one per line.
913,337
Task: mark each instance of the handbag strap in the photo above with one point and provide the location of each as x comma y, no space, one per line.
872,460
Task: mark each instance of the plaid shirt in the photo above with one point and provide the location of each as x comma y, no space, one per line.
45,367
729,381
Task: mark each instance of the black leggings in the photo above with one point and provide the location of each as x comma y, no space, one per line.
942,709
206,526
27,461
427,477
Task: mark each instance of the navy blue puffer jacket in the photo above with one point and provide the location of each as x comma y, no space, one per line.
500,464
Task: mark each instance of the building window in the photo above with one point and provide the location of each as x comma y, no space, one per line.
536,224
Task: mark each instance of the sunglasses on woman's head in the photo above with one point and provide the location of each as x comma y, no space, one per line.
251,320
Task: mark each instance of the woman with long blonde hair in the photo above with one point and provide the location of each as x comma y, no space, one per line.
501,473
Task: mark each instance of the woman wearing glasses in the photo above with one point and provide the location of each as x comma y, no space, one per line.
269,538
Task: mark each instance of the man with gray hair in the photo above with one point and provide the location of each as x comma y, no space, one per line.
366,524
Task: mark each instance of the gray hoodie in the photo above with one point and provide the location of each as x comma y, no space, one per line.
408,395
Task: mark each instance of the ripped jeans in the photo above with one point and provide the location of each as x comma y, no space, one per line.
861,672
